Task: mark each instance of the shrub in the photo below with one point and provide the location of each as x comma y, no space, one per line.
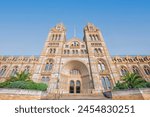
148,84
4,84
120,85
27,85
22,81
131,81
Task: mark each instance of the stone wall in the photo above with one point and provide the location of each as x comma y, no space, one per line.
135,94
20,94
15,94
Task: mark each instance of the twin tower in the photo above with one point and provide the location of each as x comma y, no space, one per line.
76,66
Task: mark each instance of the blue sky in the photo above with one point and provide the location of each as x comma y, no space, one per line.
24,24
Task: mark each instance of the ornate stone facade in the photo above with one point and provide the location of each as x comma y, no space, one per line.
75,66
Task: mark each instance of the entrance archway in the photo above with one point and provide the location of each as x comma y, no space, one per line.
75,78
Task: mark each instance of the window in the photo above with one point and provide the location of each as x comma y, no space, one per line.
45,79
56,37
64,51
75,43
124,71
82,52
71,83
101,66
50,51
99,50
14,71
54,51
59,37
49,65
68,52
78,86
94,37
147,70
106,83
82,46
97,37
77,83
73,51
90,36
135,70
72,86
76,51
95,50
74,72
3,70
27,68
66,46
53,37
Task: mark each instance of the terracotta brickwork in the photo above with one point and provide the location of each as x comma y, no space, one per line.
75,65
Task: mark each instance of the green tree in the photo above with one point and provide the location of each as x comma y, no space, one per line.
21,77
131,81
22,81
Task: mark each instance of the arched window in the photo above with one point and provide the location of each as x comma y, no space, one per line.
95,50
136,70
101,66
3,70
54,51
64,51
45,79
68,52
106,83
74,72
147,70
50,51
78,84
97,37
56,37
14,71
27,69
124,71
93,37
72,86
53,37
73,51
71,83
76,51
99,50
59,37
82,52
75,43
90,37
49,65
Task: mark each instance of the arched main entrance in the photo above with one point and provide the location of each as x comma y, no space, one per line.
75,78
75,87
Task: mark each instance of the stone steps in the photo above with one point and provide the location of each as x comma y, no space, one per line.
76,97
83,97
